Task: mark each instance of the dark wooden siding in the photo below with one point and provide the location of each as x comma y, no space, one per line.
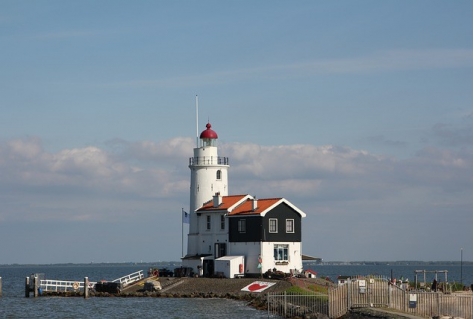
282,212
253,229
257,227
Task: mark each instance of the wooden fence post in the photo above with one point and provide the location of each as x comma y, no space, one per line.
389,291
349,294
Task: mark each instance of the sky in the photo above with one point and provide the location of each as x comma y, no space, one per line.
357,112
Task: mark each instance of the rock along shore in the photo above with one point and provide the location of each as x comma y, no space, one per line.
187,287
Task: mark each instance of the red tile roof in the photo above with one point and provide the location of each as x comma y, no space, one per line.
235,205
262,205
227,202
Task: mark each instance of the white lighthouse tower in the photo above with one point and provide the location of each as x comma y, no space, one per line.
208,177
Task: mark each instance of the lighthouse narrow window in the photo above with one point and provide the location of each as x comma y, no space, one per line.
218,175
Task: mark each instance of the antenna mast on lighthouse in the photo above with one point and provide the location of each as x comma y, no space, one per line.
197,129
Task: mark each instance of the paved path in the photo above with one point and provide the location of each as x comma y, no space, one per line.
172,286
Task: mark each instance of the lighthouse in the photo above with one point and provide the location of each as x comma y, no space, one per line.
208,180
236,235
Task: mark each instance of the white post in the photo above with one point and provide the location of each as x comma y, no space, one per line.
86,287
36,285
27,287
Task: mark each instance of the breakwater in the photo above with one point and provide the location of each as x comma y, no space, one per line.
14,305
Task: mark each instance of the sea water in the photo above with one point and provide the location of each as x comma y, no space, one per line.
13,303
399,271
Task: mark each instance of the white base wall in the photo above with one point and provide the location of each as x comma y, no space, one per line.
294,263
252,251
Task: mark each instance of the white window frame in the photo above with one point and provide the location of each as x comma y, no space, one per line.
208,222
270,230
290,222
281,252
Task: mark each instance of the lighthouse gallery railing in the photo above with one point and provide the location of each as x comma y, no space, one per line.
209,160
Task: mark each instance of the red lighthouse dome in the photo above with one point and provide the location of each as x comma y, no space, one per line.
208,133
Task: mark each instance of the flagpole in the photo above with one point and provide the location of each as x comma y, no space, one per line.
197,127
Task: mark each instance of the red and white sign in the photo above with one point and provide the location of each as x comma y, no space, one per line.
258,286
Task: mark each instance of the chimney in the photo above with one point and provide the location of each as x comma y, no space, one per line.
254,203
217,199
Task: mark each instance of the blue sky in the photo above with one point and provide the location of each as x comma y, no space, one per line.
357,112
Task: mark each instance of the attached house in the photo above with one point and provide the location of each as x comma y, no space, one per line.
266,232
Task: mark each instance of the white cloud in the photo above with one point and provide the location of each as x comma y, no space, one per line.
149,181
156,170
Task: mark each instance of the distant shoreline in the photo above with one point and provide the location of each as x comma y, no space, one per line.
322,263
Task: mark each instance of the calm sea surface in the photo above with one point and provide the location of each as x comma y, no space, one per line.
13,304
397,271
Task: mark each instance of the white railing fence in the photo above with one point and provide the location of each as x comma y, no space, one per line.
78,285
63,285
371,292
130,279
290,305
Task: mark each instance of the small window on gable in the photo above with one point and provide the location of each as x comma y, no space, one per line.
219,175
290,225
242,226
273,225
